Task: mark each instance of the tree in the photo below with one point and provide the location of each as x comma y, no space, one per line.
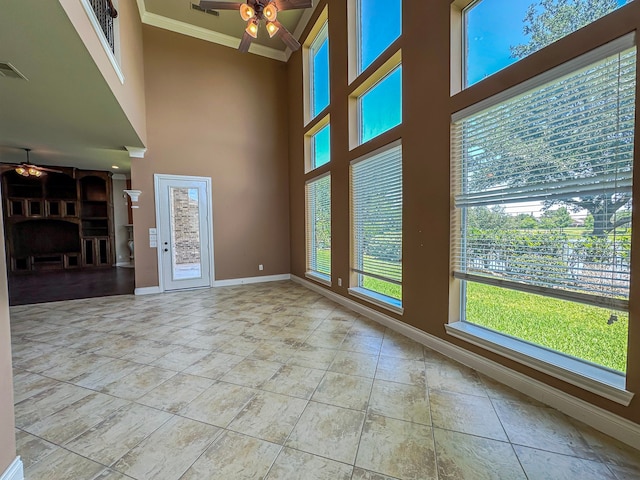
527,222
484,218
559,218
554,142
550,20
323,215
588,222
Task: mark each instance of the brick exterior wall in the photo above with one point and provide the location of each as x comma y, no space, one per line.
186,227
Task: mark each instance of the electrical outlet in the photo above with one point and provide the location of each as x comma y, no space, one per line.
339,282
260,267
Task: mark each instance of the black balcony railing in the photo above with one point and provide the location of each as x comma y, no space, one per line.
105,13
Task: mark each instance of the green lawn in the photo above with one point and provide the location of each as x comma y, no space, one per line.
389,289
568,327
572,328
385,288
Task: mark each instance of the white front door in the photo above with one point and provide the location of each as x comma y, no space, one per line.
185,245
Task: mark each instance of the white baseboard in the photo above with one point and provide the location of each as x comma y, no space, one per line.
248,280
124,264
147,291
14,471
600,419
223,283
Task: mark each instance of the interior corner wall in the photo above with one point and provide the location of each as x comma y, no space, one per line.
215,112
425,132
120,219
7,422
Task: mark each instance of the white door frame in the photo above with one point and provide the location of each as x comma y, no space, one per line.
156,186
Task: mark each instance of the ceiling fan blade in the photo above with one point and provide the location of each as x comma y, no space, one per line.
292,4
288,39
45,169
245,43
207,5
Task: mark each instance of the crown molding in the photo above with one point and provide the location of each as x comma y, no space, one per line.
302,24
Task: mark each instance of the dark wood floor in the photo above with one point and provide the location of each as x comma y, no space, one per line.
52,286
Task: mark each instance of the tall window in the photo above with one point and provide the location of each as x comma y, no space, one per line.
379,25
380,108
320,146
498,33
319,71
376,209
318,193
542,176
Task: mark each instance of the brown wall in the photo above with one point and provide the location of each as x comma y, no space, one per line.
427,109
130,95
214,112
7,431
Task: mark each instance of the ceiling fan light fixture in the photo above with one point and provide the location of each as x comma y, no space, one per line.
22,171
270,12
272,28
252,29
247,12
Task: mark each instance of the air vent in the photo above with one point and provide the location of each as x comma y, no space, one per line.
215,13
8,70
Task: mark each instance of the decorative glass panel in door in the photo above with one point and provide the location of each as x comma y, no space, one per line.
184,232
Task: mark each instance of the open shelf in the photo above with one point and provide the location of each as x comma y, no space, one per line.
58,221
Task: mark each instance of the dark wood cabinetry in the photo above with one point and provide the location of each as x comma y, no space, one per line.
58,221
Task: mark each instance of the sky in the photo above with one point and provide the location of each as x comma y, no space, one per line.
383,105
493,26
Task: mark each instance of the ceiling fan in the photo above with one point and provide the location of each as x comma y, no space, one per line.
254,11
27,169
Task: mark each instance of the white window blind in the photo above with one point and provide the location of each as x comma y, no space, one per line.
542,181
318,193
376,202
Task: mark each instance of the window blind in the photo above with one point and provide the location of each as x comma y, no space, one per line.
542,183
376,202
318,199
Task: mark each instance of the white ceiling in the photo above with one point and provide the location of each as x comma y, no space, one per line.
65,111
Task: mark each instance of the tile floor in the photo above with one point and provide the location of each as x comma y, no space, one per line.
271,381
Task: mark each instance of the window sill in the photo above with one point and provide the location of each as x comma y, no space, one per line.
593,378
319,277
378,299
